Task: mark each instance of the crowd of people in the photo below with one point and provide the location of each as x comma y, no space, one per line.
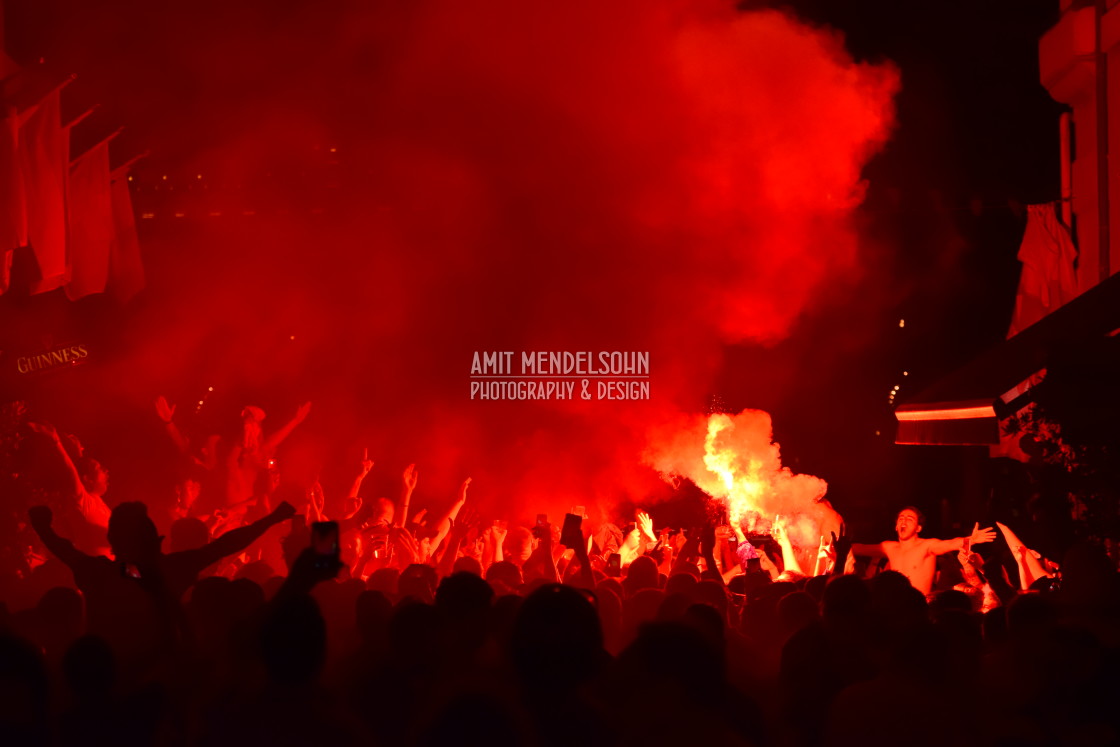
244,611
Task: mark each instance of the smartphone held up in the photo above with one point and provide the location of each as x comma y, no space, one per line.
324,541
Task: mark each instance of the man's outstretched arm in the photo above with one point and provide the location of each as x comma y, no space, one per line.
978,537
236,540
874,551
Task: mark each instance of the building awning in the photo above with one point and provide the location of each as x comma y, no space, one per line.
965,407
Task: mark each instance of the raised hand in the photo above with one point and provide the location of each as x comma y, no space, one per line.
252,414
980,536
302,412
468,519
40,517
498,532
645,524
690,548
419,518
283,512
827,550
367,463
778,529
165,411
843,548
409,478
44,429
463,490
765,563
317,498
405,543
542,532
75,444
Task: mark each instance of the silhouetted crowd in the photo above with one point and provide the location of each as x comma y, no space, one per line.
280,617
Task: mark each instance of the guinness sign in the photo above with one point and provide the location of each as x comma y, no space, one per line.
71,355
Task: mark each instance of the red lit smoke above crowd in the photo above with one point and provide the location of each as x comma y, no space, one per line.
665,177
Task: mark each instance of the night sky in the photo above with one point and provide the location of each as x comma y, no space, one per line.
371,191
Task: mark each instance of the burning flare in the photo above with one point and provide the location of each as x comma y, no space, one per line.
733,459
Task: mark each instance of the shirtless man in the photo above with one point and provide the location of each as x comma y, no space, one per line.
916,557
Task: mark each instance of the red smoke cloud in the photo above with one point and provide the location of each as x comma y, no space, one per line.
662,176
639,176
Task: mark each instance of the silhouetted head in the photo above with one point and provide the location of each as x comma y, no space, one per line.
132,533
711,593
462,594
642,574
680,583
418,580
505,573
846,598
467,565
557,642
384,580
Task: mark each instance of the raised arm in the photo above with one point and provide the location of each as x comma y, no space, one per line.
467,521
443,520
707,550
826,556
648,537
166,413
688,552
494,539
274,439
236,540
789,557
353,501
1030,569
630,548
408,484
541,564
75,479
316,502
586,577
978,537
41,519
